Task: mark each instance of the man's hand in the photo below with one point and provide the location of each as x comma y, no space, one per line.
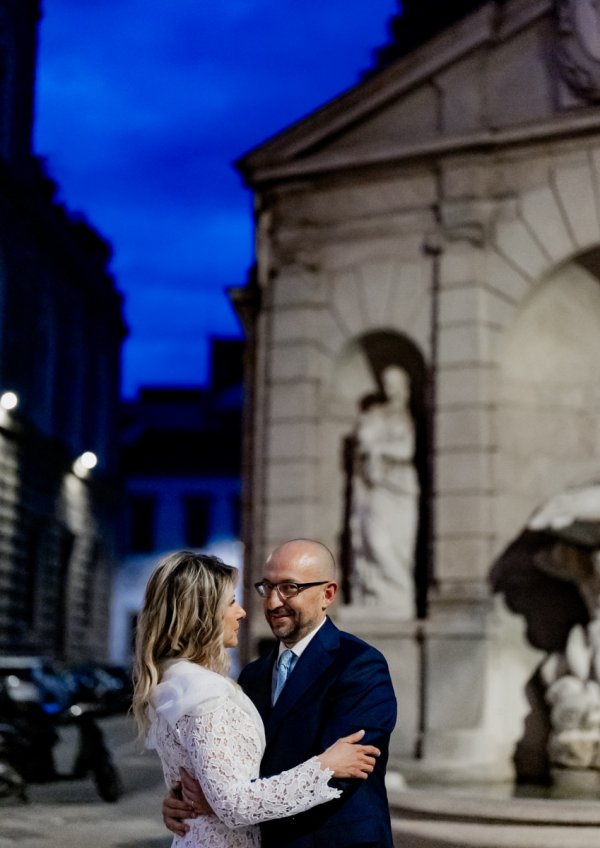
185,801
192,794
175,810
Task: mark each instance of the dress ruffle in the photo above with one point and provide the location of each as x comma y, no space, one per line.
187,688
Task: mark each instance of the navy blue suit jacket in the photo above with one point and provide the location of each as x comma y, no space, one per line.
339,685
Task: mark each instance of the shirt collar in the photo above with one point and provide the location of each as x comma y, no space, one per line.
303,644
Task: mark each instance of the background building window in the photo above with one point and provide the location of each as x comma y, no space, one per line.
142,510
197,510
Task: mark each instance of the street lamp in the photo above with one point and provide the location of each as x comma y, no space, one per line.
85,463
9,401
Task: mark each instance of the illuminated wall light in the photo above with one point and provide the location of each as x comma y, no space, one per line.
84,463
9,400
89,460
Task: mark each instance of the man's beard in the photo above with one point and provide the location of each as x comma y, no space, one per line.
289,624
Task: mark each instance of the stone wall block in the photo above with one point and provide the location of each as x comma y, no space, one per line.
463,471
467,428
376,281
459,266
331,332
348,302
464,179
465,557
595,165
472,303
459,305
455,666
293,401
410,308
300,323
464,343
292,480
296,361
515,241
466,385
497,310
458,514
505,278
298,287
288,521
290,440
575,192
540,209
373,197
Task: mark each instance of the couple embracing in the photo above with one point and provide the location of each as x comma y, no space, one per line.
295,755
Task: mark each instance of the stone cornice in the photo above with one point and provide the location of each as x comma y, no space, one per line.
336,161
350,108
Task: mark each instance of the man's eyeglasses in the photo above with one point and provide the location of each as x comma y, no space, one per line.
285,590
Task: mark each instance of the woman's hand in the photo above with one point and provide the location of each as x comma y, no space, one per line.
346,758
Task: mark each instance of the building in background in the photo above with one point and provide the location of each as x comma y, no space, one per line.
61,330
181,461
442,218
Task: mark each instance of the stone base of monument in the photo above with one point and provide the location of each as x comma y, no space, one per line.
575,783
460,684
458,796
429,819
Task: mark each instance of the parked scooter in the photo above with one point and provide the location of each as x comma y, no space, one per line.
30,745
93,755
12,783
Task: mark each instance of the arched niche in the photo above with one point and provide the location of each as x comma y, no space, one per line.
548,398
356,376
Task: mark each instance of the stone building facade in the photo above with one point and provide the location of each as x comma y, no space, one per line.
61,330
443,216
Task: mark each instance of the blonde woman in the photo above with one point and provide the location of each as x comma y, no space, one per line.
199,719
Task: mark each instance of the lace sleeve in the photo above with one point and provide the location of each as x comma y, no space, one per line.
223,750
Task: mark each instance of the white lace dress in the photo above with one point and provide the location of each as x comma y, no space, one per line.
204,722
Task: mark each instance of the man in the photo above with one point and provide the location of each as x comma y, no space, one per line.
337,684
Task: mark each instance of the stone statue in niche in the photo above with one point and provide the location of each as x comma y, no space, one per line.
384,508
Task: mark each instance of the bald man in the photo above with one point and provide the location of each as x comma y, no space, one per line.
337,684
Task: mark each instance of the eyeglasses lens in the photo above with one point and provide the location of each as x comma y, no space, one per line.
284,590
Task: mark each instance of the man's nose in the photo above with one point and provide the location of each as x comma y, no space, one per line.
273,601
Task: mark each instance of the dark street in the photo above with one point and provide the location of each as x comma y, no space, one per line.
70,814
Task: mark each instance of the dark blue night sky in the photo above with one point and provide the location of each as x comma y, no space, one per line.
142,105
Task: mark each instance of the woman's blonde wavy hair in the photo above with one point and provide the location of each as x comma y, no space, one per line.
182,618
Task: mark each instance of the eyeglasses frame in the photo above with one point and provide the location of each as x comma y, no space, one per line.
275,588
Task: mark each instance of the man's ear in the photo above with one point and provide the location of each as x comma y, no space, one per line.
329,594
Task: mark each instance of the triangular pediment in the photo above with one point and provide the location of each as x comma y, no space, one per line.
496,74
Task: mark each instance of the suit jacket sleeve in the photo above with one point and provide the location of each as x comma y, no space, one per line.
363,699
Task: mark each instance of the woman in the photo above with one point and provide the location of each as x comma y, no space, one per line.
199,719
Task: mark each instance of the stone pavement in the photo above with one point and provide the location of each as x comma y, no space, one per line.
428,818
70,814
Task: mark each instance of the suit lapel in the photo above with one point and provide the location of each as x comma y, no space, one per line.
315,660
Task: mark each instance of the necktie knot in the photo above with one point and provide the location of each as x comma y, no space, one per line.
284,666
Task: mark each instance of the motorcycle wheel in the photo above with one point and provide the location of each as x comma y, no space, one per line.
12,784
107,781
